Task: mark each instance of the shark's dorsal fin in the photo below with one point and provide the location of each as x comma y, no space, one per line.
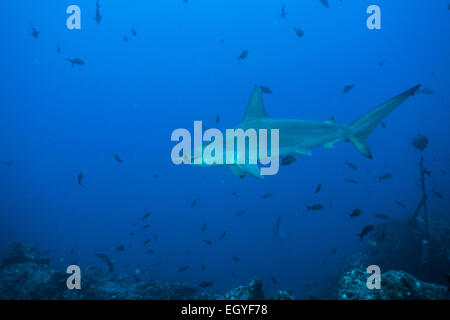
255,108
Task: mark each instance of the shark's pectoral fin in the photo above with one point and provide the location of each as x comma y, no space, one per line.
252,169
330,145
300,150
238,172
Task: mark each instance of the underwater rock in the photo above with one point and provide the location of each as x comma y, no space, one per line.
18,253
283,295
322,289
30,280
254,291
395,285
25,274
403,240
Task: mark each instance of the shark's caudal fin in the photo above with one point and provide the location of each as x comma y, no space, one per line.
364,125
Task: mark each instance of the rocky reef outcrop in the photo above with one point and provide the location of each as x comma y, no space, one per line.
397,245
26,274
395,285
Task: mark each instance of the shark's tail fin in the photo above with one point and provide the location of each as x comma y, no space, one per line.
363,126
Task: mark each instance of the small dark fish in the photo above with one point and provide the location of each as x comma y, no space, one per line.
325,3
145,216
208,242
203,267
347,88
10,163
147,241
352,181
357,212
285,161
334,250
194,202
266,90
120,248
299,32
125,38
73,250
118,159
365,231
146,227
222,235
155,237
382,216
400,204
385,176
239,213
58,48
283,12
332,119
236,259
437,194
274,281
183,268
381,63
131,234
267,195
151,251
351,165
133,32
206,284
318,188
203,228
155,176
217,119
221,41
76,61
243,55
234,194
98,17
81,176
106,259
383,125
34,32
316,206
426,91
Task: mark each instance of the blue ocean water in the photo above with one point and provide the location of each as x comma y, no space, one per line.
128,97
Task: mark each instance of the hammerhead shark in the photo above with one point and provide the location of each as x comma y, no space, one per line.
297,137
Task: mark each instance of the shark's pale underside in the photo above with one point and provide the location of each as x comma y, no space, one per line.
297,137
